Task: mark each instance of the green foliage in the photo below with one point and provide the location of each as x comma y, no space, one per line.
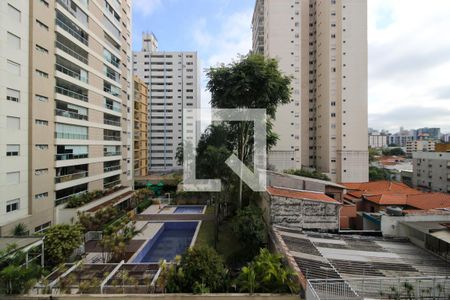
267,274
20,230
250,229
85,198
393,152
307,173
200,270
115,239
61,241
96,221
376,173
15,278
373,153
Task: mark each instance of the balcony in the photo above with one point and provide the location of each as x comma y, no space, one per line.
70,156
110,89
70,177
70,114
113,105
72,49
111,184
111,138
116,153
69,93
71,136
111,168
72,73
70,27
111,120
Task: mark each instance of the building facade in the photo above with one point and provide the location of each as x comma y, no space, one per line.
74,109
323,46
431,171
378,140
140,127
419,146
173,82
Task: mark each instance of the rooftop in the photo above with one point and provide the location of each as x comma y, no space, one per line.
300,194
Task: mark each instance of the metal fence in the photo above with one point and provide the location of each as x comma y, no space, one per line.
379,288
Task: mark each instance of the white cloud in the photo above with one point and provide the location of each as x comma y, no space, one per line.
146,7
409,63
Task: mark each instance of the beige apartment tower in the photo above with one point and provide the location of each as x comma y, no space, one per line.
66,106
323,46
140,127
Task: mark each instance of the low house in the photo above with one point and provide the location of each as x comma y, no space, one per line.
300,209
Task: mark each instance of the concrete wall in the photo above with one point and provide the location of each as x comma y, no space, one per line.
391,228
304,214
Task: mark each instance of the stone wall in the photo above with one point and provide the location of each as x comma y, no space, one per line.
304,214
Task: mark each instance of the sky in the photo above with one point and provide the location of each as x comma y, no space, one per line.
409,50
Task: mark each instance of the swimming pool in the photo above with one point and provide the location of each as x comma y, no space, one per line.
172,239
189,209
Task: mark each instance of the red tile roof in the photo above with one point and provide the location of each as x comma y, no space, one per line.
299,194
396,193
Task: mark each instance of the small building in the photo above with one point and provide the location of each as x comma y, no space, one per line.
442,147
419,146
378,140
431,171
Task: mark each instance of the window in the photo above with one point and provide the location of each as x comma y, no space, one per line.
41,196
42,25
14,13
41,49
12,122
41,98
42,146
64,131
12,150
13,177
13,41
12,95
13,67
41,122
12,205
42,227
42,74
39,172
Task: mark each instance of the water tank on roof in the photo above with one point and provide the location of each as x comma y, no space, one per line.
394,211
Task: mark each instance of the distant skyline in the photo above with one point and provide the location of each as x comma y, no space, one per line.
409,54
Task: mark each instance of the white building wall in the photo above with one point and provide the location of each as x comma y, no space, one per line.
20,28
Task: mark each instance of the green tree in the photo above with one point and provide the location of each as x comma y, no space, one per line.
61,241
200,269
250,229
307,173
376,173
15,278
251,82
267,274
373,153
394,151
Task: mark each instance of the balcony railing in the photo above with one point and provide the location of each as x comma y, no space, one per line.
112,153
111,138
111,168
69,156
70,177
71,136
71,94
111,184
71,73
64,199
72,32
110,91
112,107
70,114
71,52
111,122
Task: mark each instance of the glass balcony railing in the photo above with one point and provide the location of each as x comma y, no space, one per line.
111,184
112,107
61,200
111,138
72,94
111,122
70,177
111,168
71,136
71,52
70,114
71,73
117,153
76,34
69,156
114,92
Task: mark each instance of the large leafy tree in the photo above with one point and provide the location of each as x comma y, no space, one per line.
252,82
60,242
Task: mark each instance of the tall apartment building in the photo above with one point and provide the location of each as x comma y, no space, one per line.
140,127
419,146
173,81
378,140
431,171
65,103
323,46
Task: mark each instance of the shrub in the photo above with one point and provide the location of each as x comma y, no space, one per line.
307,173
96,222
250,229
267,274
200,270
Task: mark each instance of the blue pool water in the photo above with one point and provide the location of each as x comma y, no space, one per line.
191,209
171,240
